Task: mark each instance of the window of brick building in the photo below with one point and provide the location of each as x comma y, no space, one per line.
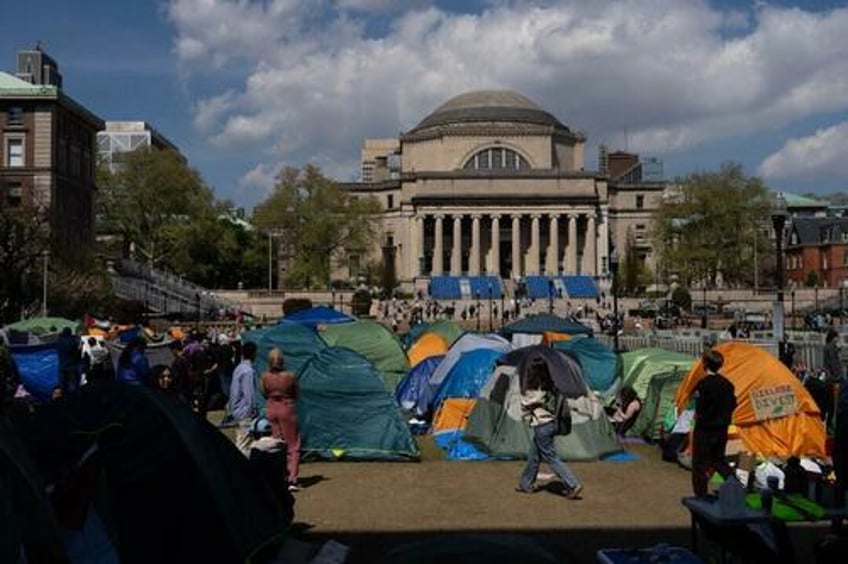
390,201
14,151
640,202
15,116
14,193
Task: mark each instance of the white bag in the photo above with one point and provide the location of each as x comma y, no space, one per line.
764,471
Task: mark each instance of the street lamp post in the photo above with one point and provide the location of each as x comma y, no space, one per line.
491,308
613,263
551,296
270,262
478,310
778,217
46,256
704,311
793,309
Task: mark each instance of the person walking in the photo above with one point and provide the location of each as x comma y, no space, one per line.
280,390
68,349
242,404
715,400
537,393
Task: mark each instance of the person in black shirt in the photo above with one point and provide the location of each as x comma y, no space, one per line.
68,349
715,400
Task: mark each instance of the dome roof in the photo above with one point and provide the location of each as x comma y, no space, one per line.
496,106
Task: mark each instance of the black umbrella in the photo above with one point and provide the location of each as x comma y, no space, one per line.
565,372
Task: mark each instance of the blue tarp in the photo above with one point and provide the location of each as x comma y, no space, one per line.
468,375
599,362
456,448
315,316
38,366
415,392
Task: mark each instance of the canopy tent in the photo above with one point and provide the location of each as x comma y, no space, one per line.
415,393
775,415
445,328
315,316
373,341
151,460
539,324
427,345
639,367
468,342
598,362
496,427
346,413
39,325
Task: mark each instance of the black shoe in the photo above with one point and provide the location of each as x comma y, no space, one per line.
574,493
522,490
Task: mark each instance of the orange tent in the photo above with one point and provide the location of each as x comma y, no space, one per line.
775,415
453,414
551,337
427,345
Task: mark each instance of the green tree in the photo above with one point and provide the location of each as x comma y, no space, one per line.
153,200
317,222
811,280
710,226
24,237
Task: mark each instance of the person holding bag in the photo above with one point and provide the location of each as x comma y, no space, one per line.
538,407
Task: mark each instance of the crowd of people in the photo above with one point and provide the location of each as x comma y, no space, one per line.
205,371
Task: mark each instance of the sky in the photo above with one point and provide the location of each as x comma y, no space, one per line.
246,87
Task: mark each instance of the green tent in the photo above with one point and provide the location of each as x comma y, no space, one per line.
495,423
40,325
655,375
659,400
346,413
373,341
640,366
445,328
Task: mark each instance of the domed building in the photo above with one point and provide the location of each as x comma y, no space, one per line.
492,187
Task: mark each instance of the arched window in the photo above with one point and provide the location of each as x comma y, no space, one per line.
497,158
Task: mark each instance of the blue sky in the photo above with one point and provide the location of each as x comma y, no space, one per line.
245,87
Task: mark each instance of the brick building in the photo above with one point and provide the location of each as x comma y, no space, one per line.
48,144
818,245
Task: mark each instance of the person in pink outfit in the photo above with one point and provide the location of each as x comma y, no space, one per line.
280,390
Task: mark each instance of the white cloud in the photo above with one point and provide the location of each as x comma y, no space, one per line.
821,155
667,71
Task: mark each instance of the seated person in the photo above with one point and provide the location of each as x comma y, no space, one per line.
625,409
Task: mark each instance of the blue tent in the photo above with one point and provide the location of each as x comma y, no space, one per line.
468,375
415,392
599,362
38,366
315,316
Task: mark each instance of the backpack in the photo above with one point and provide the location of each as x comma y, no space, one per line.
557,404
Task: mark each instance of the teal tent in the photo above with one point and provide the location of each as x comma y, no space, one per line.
346,413
373,341
598,362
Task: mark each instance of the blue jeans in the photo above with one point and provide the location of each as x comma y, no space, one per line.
543,449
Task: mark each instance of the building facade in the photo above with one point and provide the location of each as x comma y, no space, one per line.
48,149
819,246
492,184
119,137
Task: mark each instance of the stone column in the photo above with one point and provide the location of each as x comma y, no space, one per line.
495,267
456,251
552,262
571,250
474,258
438,248
533,259
590,252
516,247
